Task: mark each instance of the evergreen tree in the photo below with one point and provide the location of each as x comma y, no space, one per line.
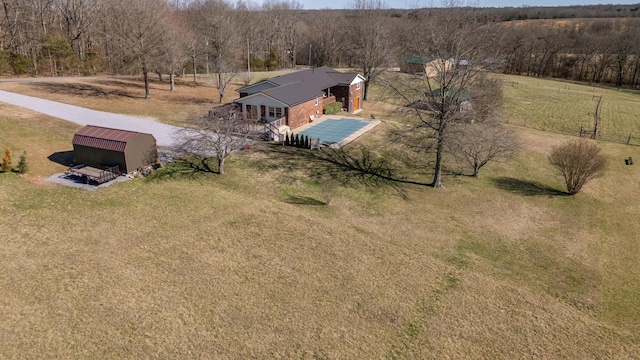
23,167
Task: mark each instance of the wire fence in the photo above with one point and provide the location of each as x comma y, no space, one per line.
594,125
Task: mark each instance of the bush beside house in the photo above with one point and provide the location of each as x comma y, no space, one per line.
332,108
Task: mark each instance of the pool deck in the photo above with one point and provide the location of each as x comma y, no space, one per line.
350,138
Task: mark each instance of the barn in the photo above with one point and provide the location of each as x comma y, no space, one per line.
106,147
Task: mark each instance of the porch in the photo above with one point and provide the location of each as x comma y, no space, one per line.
276,129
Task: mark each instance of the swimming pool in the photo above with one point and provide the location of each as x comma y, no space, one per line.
334,131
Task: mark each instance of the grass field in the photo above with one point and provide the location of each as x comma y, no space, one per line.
252,264
564,107
171,107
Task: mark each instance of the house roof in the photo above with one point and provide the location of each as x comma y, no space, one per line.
294,94
104,138
257,87
300,86
460,62
452,92
418,59
320,78
343,78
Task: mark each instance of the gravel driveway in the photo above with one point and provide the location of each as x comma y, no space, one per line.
165,134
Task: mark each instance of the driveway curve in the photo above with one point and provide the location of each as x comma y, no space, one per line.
166,135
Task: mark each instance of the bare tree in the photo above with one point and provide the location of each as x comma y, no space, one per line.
139,28
216,135
283,38
456,90
623,45
224,73
214,21
175,52
323,36
476,144
371,32
78,17
578,161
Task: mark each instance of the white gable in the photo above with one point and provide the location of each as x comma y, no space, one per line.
357,79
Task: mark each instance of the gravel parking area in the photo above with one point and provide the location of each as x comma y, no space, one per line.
72,181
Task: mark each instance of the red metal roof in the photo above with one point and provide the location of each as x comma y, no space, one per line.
103,138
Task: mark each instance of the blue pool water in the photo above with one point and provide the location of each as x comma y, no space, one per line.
333,131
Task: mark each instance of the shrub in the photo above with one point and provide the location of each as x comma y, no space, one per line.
286,139
272,61
23,167
578,161
6,160
20,64
257,64
5,63
332,108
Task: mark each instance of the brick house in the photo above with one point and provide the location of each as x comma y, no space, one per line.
292,100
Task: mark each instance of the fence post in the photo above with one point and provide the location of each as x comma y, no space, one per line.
629,139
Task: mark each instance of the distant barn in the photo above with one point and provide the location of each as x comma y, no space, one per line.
130,150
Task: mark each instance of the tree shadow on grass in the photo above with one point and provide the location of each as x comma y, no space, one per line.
349,167
525,187
83,90
62,157
189,167
303,200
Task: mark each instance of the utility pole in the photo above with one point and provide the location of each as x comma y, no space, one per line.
206,54
248,63
193,62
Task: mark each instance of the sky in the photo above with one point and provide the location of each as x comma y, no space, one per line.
408,4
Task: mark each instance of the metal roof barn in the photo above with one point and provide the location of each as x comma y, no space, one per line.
102,146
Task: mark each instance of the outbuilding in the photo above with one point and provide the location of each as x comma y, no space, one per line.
106,147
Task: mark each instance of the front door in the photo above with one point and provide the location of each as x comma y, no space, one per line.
356,104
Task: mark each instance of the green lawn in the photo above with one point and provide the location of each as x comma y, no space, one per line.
252,265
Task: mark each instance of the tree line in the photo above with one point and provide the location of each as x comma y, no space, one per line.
598,51
176,37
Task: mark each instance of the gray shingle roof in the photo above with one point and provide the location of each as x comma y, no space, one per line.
300,86
294,94
257,87
418,59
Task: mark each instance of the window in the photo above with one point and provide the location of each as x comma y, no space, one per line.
316,103
275,112
358,85
252,112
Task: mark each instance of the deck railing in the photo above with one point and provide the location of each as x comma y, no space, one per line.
273,129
